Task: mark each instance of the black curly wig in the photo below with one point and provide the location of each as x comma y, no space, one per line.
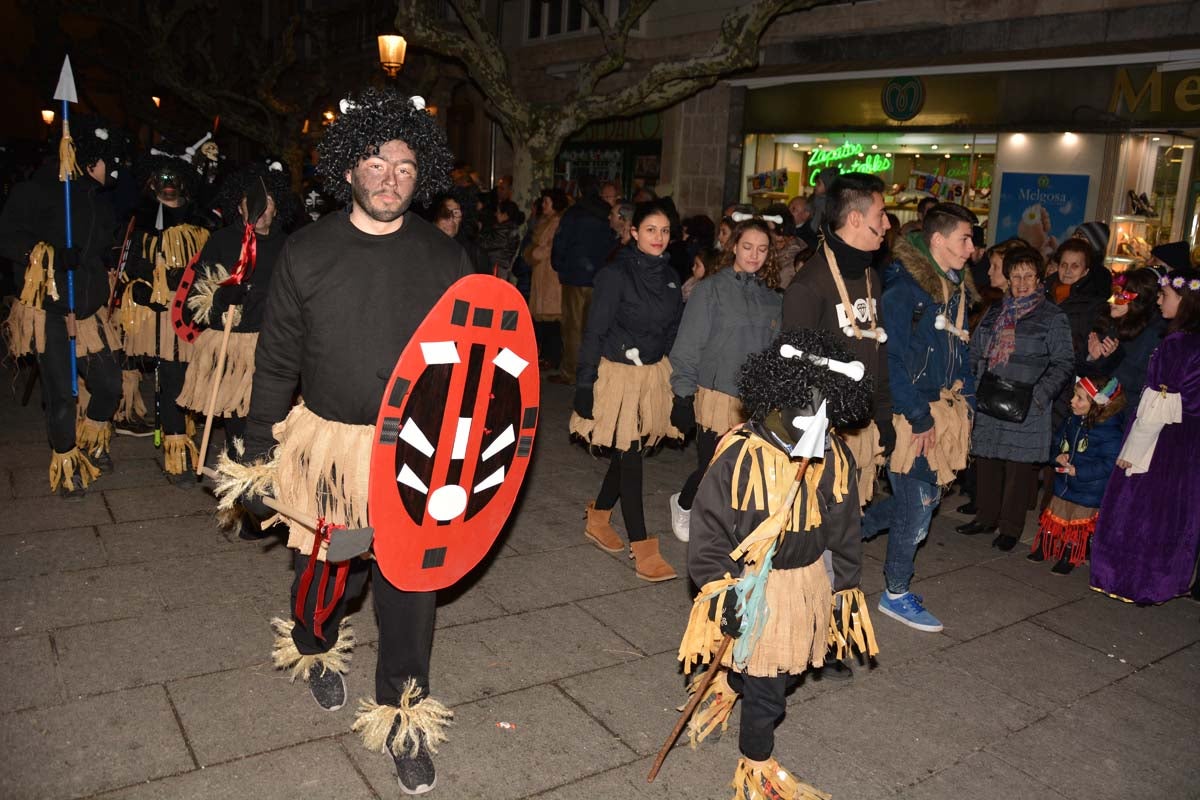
769,382
371,119
96,138
279,186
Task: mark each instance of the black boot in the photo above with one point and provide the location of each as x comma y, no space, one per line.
1064,565
1037,554
968,508
975,526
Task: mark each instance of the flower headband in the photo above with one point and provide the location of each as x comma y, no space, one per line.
1179,283
1100,395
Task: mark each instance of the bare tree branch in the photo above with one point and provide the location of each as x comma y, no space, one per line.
616,40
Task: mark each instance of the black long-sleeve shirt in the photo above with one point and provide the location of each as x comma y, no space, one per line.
36,212
225,248
717,528
341,307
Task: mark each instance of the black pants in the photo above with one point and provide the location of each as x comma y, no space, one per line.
171,375
101,371
548,334
706,446
623,482
1003,493
405,625
763,703
235,428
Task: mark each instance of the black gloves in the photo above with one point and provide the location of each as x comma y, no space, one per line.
252,503
683,414
730,622
887,436
141,295
583,401
68,258
227,296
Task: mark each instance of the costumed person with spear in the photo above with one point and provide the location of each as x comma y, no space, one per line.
62,227
779,492
228,299
348,292
169,231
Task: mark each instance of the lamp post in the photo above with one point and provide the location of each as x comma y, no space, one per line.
391,53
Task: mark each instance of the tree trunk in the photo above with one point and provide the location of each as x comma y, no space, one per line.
533,171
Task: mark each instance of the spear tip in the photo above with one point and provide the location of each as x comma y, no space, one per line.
66,83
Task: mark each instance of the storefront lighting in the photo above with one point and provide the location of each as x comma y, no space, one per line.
947,155
887,155
795,145
1018,139
848,157
1070,138
1152,138
874,147
966,147
933,147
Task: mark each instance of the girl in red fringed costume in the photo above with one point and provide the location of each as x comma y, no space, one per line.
1088,444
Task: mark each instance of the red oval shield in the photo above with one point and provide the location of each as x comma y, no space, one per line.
455,431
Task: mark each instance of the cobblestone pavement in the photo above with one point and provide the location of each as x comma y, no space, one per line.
135,661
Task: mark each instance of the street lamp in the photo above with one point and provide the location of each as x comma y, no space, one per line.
391,53
157,101
48,116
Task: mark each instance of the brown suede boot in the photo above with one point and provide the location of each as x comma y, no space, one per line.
650,565
601,531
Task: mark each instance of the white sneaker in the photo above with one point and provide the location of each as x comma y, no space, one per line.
680,519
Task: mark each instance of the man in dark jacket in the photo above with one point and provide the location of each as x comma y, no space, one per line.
33,236
924,301
581,245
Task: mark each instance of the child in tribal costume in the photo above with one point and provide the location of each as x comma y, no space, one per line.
347,294
763,516
250,249
33,232
168,232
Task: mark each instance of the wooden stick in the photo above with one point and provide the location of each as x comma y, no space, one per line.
690,708
212,396
270,502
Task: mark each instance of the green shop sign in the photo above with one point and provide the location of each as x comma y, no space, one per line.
848,158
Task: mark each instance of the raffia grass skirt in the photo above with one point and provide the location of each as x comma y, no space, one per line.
863,444
233,397
795,635
25,332
323,469
952,421
632,405
139,335
717,411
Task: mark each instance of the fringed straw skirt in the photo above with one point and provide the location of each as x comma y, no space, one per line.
233,396
863,444
25,332
795,635
631,405
952,421
717,411
323,469
139,321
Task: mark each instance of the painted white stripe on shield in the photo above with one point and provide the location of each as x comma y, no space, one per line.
510,362
460,439
439,353
506,437
413,435
495,479
410,479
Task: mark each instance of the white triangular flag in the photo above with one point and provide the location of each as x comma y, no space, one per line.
812,442
66,83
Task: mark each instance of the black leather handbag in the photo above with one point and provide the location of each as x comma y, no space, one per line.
1003,399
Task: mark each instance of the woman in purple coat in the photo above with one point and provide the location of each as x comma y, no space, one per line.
1144,548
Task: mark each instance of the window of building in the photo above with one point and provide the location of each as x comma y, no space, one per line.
550,18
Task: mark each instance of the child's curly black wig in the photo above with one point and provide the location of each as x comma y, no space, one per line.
96,138
279,186
768,381
374,117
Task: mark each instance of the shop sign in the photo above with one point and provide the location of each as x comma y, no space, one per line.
902,98
848,158
1040,208
773,182
1147,95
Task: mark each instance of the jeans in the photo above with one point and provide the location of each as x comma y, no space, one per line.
906,515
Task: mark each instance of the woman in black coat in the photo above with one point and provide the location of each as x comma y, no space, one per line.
1126,332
